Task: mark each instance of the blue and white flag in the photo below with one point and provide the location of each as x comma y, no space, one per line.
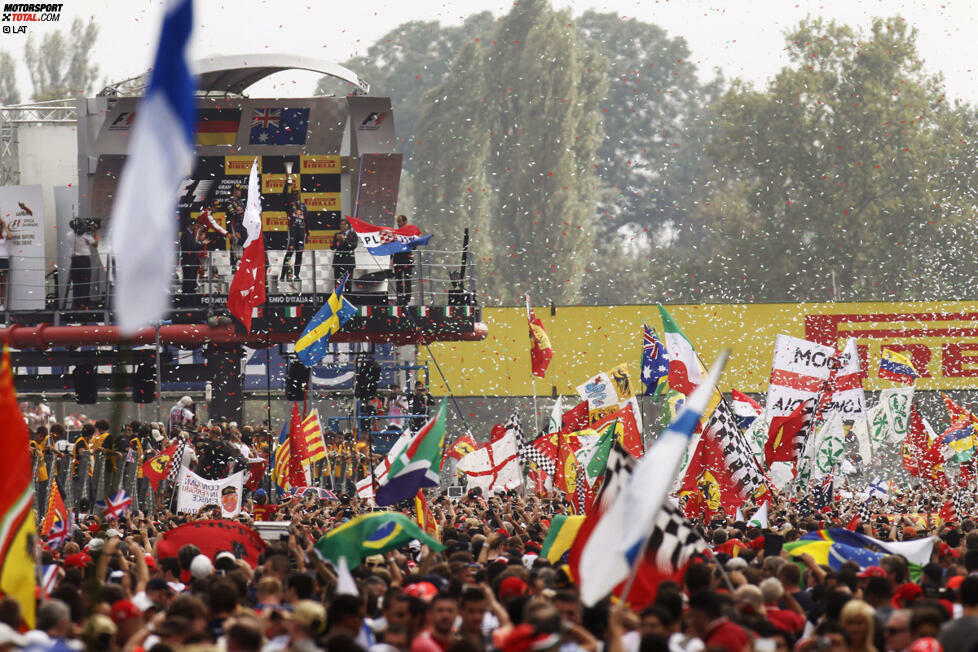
618,538
144,225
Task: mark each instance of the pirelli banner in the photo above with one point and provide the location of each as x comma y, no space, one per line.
941,338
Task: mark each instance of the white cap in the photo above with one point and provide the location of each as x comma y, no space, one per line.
8,636
112,532
201,567
186,401
95,544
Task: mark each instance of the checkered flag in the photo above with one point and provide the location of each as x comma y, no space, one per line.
805,506
960,502
865,512
673,540
582,492
616,473
176,462
801,437
737,455
530,453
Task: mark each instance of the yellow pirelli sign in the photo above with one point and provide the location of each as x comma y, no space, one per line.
941,338
240,165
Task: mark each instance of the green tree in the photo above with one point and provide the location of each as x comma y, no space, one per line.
512,153
657,123
845,165
407,62
9,94
61,66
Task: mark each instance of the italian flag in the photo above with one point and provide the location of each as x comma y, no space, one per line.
685,370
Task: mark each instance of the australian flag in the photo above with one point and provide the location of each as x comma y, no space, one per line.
279,126
655,362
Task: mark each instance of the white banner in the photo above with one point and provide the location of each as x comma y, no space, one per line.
608,392
22,208
799,368
849,398
196,492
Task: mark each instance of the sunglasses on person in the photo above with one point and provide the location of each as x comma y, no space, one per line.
895,630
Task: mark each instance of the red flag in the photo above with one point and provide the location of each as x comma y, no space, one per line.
955,411
709,479
780,444
56,510
576,418
631,438
916,443
462,447
542,352
213,537
247,290
297,450
157,468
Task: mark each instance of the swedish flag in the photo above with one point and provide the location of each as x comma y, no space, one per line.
311,346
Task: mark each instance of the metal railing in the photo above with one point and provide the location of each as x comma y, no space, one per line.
202,279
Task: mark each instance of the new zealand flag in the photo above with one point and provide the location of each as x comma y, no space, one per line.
277,126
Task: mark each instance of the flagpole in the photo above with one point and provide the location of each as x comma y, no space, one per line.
533,378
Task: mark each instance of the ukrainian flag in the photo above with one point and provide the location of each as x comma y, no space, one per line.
311,346
896,366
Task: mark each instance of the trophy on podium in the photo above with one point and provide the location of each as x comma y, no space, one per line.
288,175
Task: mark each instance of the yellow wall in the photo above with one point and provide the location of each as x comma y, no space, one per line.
941,336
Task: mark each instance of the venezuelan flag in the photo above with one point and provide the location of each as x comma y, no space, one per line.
311,346
896,366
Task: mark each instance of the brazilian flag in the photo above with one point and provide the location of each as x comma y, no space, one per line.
371,534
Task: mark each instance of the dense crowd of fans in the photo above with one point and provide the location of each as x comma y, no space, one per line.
108,587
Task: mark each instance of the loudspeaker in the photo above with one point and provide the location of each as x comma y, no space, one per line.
144,383
367,379
85,390
295,383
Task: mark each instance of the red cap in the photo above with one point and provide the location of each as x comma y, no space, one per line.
512,587
927,644
78,560
905,594
502,532
150,561
871,571
424,590
954,583
124,610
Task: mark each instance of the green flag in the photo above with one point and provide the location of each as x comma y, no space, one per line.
418,465
602,449
371,534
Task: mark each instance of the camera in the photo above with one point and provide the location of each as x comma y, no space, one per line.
87,225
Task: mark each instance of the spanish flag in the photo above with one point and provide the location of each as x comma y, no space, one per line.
426,521
17,528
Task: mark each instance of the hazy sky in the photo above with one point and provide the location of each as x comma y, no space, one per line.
744,38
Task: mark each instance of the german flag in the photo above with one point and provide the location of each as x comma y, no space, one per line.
218,126
17,528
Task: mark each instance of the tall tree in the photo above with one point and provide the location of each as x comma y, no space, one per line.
407,62
9,93
61,66
844,166
657,123
535,127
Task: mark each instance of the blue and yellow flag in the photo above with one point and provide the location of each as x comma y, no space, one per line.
311,346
